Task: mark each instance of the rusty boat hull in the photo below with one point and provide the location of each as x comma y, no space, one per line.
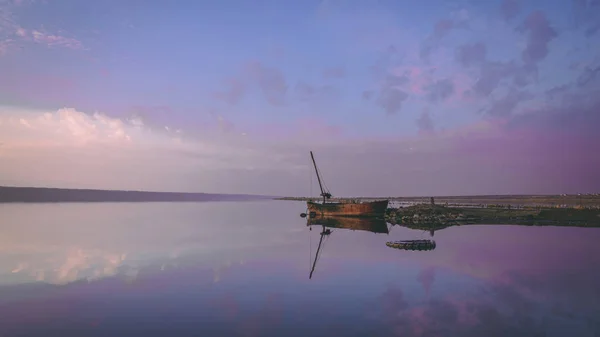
363,209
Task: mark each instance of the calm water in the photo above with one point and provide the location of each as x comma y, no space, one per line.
242,269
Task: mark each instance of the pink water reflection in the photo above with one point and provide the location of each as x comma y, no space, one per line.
480,280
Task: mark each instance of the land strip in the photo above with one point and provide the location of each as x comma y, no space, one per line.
565,200
41,195
435,217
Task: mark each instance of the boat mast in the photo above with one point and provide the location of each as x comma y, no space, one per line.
323,233
323,193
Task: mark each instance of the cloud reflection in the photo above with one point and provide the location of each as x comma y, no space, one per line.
250,277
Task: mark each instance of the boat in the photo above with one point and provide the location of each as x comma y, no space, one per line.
347,208
373,225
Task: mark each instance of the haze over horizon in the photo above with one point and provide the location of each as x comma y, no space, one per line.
448,98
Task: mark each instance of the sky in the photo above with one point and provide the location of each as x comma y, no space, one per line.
394,98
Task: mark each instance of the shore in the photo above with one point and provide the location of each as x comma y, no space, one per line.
49,195
435,217
570,200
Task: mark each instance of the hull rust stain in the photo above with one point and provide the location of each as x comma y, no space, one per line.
365,209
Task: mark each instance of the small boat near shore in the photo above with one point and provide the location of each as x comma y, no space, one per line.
349,208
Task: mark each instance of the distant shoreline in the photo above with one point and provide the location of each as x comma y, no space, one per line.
570,199
59,195
13,194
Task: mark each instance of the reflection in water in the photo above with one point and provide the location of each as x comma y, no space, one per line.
63,266
412,244
374,225
201,269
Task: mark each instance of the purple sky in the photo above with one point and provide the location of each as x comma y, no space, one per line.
452,97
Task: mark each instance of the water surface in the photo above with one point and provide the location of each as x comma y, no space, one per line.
242,269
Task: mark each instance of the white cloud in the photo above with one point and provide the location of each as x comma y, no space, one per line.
69,148
21,32
65,127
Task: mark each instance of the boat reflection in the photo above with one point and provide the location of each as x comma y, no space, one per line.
374,225
412,244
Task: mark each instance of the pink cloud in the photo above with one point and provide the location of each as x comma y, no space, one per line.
417,77
18,34
462,86
52,40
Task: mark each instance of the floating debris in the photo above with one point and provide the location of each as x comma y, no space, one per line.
412,244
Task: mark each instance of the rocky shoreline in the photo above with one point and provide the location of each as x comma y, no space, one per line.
427,216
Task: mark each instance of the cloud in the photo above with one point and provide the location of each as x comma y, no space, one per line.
308,92
506,105
12,33
269,159
223,123
391,96
440,90
476,65
52,40
21,32
587,76
425,123
391,99
557,91
585,13
234,93
591,31
336,72
491,75
441,29
386,58
66,127
540,34
471,54
8,27
271,81
509,9
42,148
